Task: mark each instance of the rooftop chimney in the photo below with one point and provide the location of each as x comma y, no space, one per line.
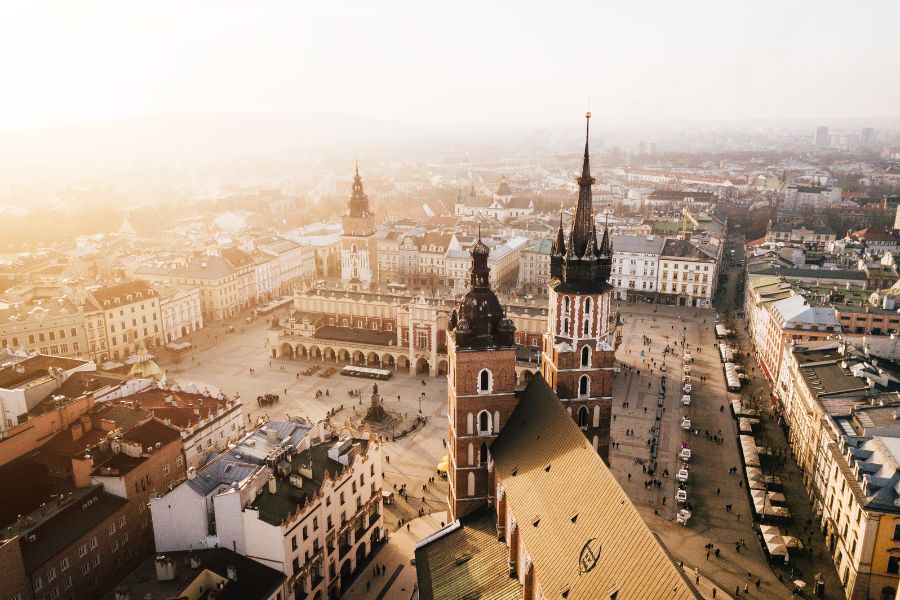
273,486
165,568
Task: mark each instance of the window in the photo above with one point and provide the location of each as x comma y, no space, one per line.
585,357
112,528
38,584
893,566
483,454
584,386
896,536
64,564
166,469
484,381
82,550
85,568
67,583
305,533
122,522
471,485
484,423
95,559
51,574
582,417
93,543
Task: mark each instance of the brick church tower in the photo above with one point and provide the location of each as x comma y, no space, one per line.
359,258
578,353
480,385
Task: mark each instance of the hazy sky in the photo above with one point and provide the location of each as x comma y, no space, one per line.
477,63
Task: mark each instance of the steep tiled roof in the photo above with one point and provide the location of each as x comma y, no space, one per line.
566,499
468,562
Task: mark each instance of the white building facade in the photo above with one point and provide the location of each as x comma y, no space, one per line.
635,266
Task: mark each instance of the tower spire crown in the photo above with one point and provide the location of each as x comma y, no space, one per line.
581,224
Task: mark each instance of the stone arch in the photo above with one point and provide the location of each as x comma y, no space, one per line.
315,353
442,367
301,351
287,351
328,353
388,361
343,355
403,363
359,358
422,365
373,360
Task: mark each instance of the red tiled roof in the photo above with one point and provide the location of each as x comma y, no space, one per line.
874,235
122,291
151,433
181,408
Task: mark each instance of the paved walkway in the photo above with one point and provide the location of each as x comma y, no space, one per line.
710,486
396,557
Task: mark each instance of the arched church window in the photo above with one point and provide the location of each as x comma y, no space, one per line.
485,381
584,386
586,356
582,417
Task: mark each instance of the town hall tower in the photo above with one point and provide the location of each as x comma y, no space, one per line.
359,259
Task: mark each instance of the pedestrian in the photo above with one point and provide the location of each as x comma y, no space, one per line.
714,592
718,491
746,589
368,585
